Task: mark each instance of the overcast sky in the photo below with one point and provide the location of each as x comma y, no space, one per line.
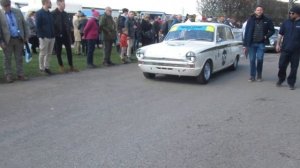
168,6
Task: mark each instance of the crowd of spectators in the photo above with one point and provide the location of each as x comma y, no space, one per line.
48,31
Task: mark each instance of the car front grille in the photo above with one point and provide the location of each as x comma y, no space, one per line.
168,64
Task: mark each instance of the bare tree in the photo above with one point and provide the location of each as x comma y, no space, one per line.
236,9
208,7
240,10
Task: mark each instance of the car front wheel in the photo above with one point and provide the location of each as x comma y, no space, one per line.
149,75
205,74
235,64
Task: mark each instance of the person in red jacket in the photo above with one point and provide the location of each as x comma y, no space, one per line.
91,34
123,45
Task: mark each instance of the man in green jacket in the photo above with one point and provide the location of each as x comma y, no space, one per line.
109,35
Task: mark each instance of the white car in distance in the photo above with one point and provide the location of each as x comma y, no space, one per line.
192,49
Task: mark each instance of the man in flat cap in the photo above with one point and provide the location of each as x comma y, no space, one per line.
289,48
15,33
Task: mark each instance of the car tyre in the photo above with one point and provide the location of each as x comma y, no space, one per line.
149,75
235,64
205,74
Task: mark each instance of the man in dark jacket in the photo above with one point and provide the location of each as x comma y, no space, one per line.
290,48
82,23
156,28
62,31
122,19
167,25
45,33
258,29
130,25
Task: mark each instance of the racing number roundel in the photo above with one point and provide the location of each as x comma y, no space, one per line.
224,55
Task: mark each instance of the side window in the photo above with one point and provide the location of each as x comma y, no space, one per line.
229,35
221,36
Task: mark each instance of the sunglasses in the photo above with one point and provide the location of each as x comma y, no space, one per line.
291,13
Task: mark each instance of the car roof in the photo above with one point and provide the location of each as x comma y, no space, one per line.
202,24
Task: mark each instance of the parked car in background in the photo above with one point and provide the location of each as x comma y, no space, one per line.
271,43
192,49
238,34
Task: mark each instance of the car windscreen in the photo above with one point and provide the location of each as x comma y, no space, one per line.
188,32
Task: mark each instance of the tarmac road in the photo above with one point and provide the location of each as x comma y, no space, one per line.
115,118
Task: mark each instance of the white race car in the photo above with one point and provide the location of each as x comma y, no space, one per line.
192,49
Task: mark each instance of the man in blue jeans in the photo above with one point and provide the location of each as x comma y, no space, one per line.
258,29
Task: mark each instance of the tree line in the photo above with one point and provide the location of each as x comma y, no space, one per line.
240,10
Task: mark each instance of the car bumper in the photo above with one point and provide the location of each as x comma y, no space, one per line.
182,70
269,47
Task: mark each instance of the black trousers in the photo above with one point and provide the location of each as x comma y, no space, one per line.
59,41
284,60
84,46
34,41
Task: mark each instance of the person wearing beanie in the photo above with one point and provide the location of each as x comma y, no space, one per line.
258,29
95,14
288,44
14,34
91,35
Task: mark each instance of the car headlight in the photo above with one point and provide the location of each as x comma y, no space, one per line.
140,53
190,56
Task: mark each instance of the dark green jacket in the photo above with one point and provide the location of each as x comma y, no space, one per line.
108,28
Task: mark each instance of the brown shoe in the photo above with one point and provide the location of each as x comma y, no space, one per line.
22,78
62,69
72,69
9,79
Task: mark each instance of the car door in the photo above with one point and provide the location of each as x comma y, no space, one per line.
231,47
223,47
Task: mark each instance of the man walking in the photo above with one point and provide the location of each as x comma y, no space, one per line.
45,33
290,48
109,35
14,33
258,29
62,31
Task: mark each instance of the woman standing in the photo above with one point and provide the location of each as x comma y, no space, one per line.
33,39
91,34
